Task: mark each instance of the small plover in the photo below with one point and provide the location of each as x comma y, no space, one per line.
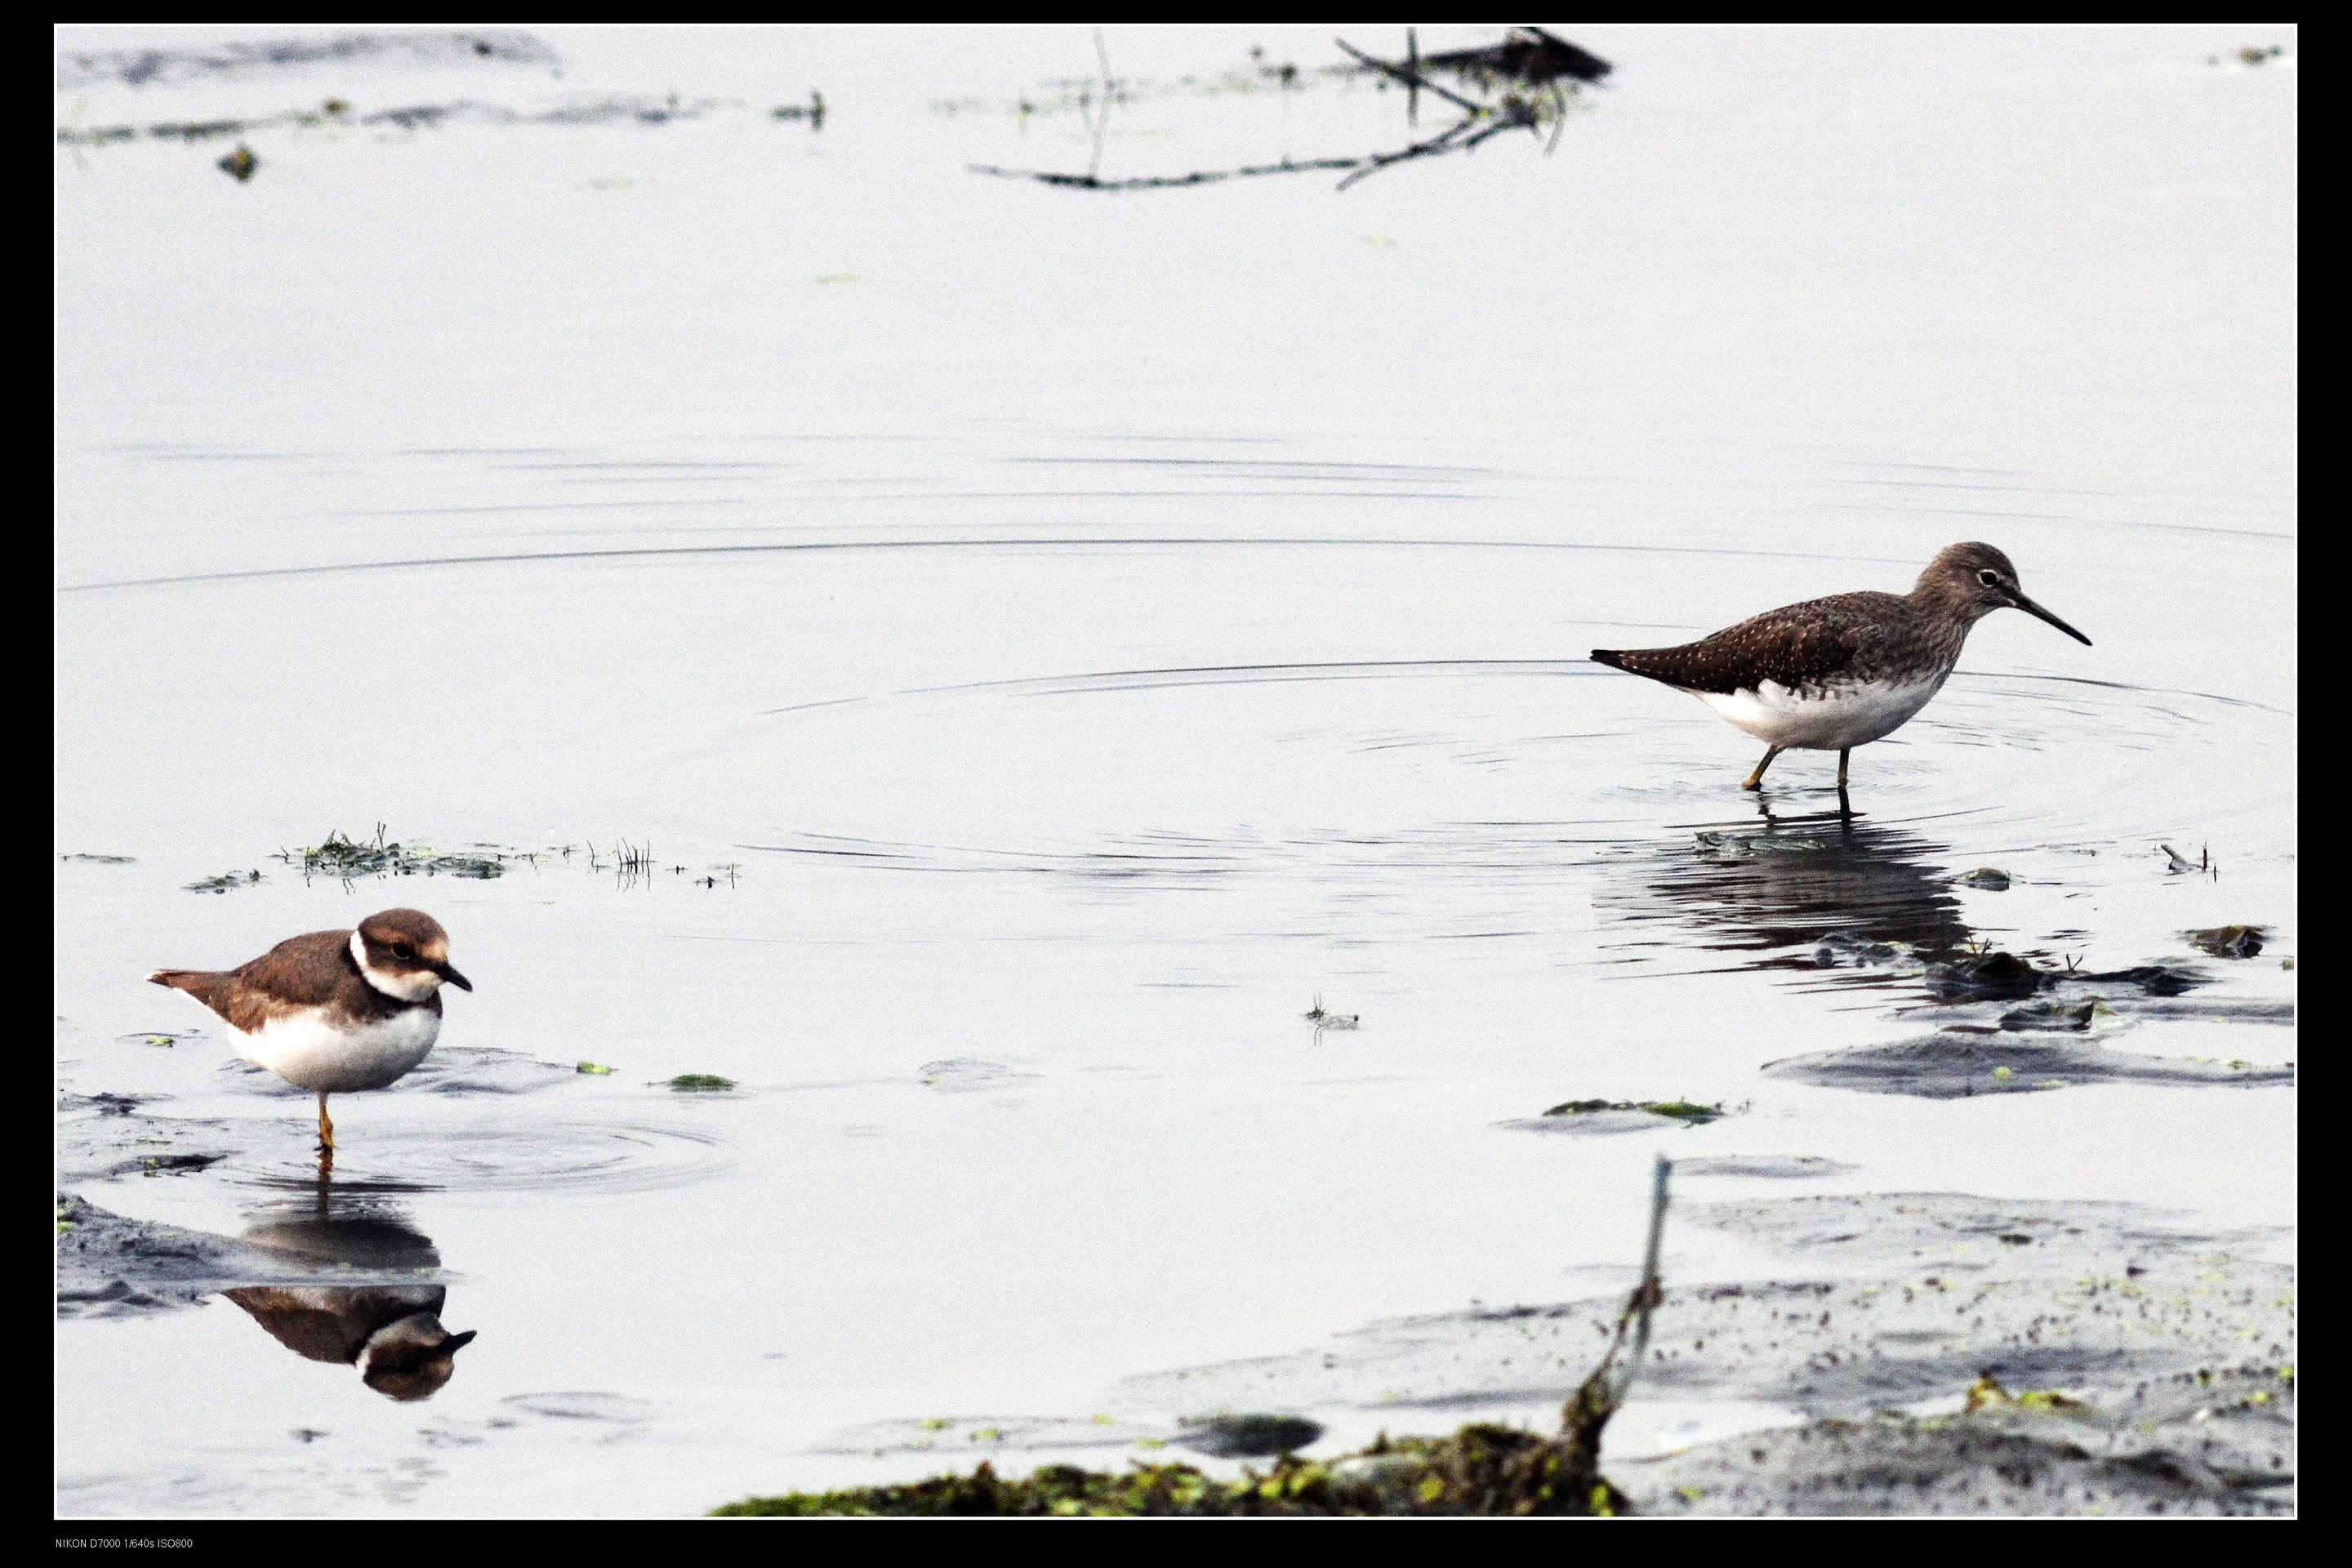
1832,674
334,1011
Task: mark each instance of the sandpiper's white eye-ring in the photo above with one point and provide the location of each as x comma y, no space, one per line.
1989,578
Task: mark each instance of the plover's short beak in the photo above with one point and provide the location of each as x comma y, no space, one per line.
2027,605
462,983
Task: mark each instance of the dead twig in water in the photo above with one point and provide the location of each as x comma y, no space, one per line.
1529,57
1412,79
1598,1397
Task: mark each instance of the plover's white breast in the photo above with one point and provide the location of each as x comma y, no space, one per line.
310,1053
1828,718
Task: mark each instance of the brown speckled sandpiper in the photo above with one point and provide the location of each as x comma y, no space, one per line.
1832,674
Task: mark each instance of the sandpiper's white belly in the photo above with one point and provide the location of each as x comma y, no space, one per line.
1823,718
307,1052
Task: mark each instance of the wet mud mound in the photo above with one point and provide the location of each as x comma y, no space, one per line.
1949,1065
2115,1326
2199,1443
108,1266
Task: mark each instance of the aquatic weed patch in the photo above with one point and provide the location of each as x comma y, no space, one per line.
1477,1470
225,881
350,859
689,1083
1683,1110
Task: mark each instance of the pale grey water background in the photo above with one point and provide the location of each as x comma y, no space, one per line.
1096,626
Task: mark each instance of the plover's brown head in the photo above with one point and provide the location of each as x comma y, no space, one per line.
406,954
1975,580
411,1359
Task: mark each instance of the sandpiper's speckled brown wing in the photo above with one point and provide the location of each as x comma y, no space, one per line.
1844,638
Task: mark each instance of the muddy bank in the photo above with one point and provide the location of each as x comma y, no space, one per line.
1923,1352
2212,1441
107,1265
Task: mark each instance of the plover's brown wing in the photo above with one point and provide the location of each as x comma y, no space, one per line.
1795,645
301,972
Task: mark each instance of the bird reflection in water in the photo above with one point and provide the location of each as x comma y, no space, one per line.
390,1331
1797,881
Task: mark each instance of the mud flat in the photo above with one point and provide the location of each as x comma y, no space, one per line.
1923,1354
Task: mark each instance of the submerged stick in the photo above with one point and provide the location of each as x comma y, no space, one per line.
1598,1397
1412,79
1478,123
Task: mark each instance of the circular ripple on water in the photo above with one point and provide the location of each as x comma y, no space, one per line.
509,1157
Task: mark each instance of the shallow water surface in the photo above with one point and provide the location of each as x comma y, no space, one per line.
1046,642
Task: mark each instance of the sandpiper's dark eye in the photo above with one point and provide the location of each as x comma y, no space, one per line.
402,950
1989,578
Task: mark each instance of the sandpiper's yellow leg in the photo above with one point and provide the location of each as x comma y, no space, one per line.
1756,779
326,1128
1842,757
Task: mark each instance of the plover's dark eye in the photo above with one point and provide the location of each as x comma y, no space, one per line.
402,950
1989,578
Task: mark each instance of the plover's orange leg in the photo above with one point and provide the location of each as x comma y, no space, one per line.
326,1128
1756,779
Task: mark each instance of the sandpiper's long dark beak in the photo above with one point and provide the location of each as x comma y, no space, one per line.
462,983
2022,603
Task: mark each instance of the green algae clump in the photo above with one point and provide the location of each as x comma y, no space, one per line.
1478,1470
1682,1110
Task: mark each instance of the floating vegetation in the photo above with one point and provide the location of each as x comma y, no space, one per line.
348,859
142,68
1986,877
696,1082
2230,941
1480,1469
1681,1110
594,1070
335,113
225,881
635,862
812,110
1528,80
239,165
100,859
